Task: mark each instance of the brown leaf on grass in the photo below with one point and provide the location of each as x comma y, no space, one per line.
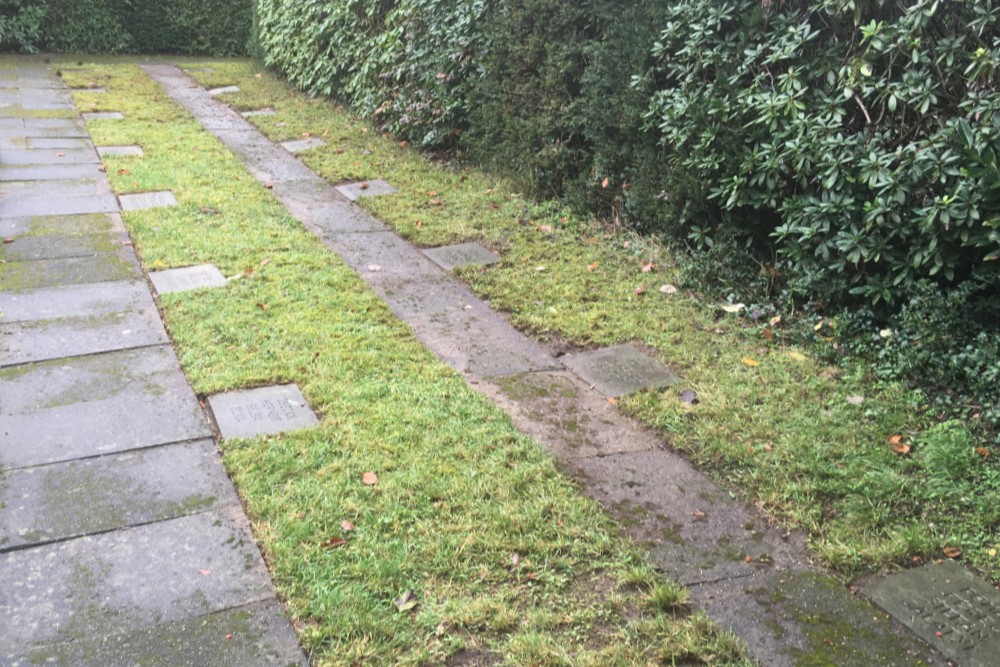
123,172
347,525
404,144
369,479
592,267
102,169
494,206
640,290
262,306
952,552
648,267
669,290
605,182
768,335
432,193
418,224
855,400
545,229
265,261
898,446
985,453
334,542
259,75
436,202
8,240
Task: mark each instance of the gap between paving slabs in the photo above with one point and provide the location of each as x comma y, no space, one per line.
752,578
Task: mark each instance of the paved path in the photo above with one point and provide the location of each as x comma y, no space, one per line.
122,541
753,579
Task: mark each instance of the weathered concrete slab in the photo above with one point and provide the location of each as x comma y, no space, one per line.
56,205
51,189
266,161
947,606
252,635
322,209
103,115
50,157
27,132
70,321
619,370
120,151
381,252
462,254
462,330
34,248
96,223
187,278
222,90
55,123
58,143
42,172
146,200
253,113
302,145
112,266
65,500
128,580
375,188
264,411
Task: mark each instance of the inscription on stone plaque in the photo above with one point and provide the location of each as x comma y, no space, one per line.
186,278
222,90
463,254
303,145
947,606
119,151
376,188
143,200
264,411
619,370
103,115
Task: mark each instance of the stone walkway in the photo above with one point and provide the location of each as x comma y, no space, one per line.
122,540
751,578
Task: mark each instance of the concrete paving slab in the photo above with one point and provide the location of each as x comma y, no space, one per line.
112,266
55,123
460,255
50,157
222,90
619,370
302,145
37,189
252,635
68,225
318,206
187,278
120,151
146,200
61,246
26,132
373,188
381,252
57,143
56,205
266,161
263,411
947,606
71,499
50,172
128,580
97,300
103,115
253,113
462,330
13,143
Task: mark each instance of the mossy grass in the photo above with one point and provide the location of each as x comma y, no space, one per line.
499,552
772,419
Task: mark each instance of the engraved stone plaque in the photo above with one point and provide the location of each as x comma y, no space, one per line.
103,115
463,254
144,200
376,188
302,145
616,371
247,414
187,278
120,151
224,89
948,607
258,112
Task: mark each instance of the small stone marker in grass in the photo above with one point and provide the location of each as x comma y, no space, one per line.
264,411
948,607
119,151
619,370
187,278
103,115
258,112
302,145
376,188
144,200
463,254
223,90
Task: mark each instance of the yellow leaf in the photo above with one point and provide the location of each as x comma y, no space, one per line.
796,356
752,363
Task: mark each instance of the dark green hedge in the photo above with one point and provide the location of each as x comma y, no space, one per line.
212,27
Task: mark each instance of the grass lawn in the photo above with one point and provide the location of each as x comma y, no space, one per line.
807,441
470,546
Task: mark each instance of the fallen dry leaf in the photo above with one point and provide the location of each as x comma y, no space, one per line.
641,289
669,290
8,240
898,446
796,356
60,154
592,267
733,307
362,186
752,363
855,400
952,552
515,560
985,453
775,321
369,479
648,267
768,335
347,525
205,572
262,306
605,182
437,202
265,261
405,602
334,542
259,75
545,229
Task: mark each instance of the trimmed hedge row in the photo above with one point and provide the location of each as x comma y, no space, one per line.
212,27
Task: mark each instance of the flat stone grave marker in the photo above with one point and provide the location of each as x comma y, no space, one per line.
187,278
947,606
120,151
145,200
463,254
103,115
375,188
258,112
302,145
264,411
619,370
223,89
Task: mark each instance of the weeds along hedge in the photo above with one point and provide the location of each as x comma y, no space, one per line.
214,27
